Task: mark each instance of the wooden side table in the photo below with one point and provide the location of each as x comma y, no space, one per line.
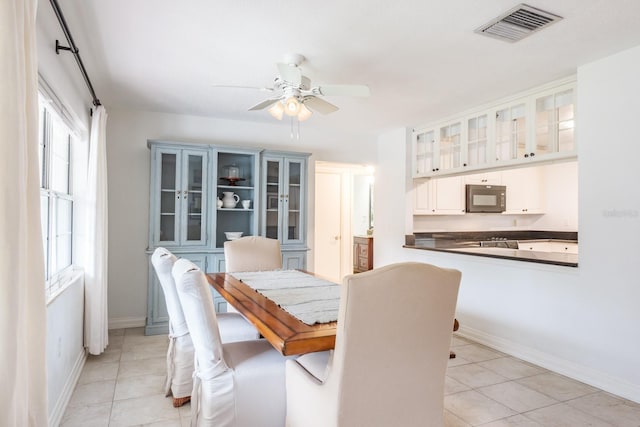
362,253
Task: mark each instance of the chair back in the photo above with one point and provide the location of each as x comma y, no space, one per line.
392,345
252,253
200,315
163,261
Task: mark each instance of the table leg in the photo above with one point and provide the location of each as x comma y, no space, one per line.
456,325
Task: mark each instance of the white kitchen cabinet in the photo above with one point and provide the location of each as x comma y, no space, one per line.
510,124
476,153
484,178
557,246
524,190
554,124
535,126
438,150
424,151
439,196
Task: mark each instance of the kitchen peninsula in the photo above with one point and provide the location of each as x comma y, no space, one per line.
545,247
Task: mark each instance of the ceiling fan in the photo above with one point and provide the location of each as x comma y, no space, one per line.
294,96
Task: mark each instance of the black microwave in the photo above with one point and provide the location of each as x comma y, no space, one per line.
486,198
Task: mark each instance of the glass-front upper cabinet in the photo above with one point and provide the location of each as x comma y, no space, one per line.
179,197
477,152
537,125
511,132
438,149
450,146
284,198
555,122
424,146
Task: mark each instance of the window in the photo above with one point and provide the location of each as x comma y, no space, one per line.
56,195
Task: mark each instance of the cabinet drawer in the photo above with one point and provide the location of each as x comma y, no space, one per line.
363,251
363,263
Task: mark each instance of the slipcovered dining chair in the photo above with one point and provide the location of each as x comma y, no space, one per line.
252,253
390,359
238,384
180,353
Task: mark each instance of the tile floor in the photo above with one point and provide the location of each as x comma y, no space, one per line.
123,387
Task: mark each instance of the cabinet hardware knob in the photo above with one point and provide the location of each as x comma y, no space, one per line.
532,154
464,164
526,155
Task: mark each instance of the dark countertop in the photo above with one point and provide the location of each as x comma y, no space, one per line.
467,243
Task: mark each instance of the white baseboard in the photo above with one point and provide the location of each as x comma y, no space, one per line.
55,418
127,322
548,361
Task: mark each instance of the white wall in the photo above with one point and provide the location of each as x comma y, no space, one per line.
578,321
128,163
65,351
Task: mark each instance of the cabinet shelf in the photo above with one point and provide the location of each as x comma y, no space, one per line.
236,187
235,210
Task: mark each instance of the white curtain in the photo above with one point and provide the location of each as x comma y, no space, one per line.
23,395
96,315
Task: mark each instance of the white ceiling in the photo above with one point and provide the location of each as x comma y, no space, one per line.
421,58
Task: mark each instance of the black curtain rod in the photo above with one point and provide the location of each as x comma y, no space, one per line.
73,49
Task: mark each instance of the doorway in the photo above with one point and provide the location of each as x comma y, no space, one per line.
343,208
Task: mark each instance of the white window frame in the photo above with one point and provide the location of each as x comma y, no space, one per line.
55,279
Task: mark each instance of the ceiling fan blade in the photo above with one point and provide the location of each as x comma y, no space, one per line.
262,89
264,104
290,74
344,90
319,105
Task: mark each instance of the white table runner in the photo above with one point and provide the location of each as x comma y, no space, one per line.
308,298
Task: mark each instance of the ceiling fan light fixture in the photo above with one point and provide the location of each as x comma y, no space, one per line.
291,106
304,113
276,110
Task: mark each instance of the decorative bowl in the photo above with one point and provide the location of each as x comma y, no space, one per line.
233,235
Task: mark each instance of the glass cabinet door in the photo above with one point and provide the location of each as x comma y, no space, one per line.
425,153
450,155
284,181
194,197
555,123
274,197
169,198
293,201
511,142
477,141
181,202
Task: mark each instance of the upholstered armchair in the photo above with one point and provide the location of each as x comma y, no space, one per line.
390,359
180,353
237,384
252,253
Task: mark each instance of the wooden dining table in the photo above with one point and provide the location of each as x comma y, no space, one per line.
289,335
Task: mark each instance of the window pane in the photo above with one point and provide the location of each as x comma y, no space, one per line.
59,178
41,147
44,223
63,227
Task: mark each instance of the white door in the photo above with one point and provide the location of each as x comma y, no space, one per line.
328,225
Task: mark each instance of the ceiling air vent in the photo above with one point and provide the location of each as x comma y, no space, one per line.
518,23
